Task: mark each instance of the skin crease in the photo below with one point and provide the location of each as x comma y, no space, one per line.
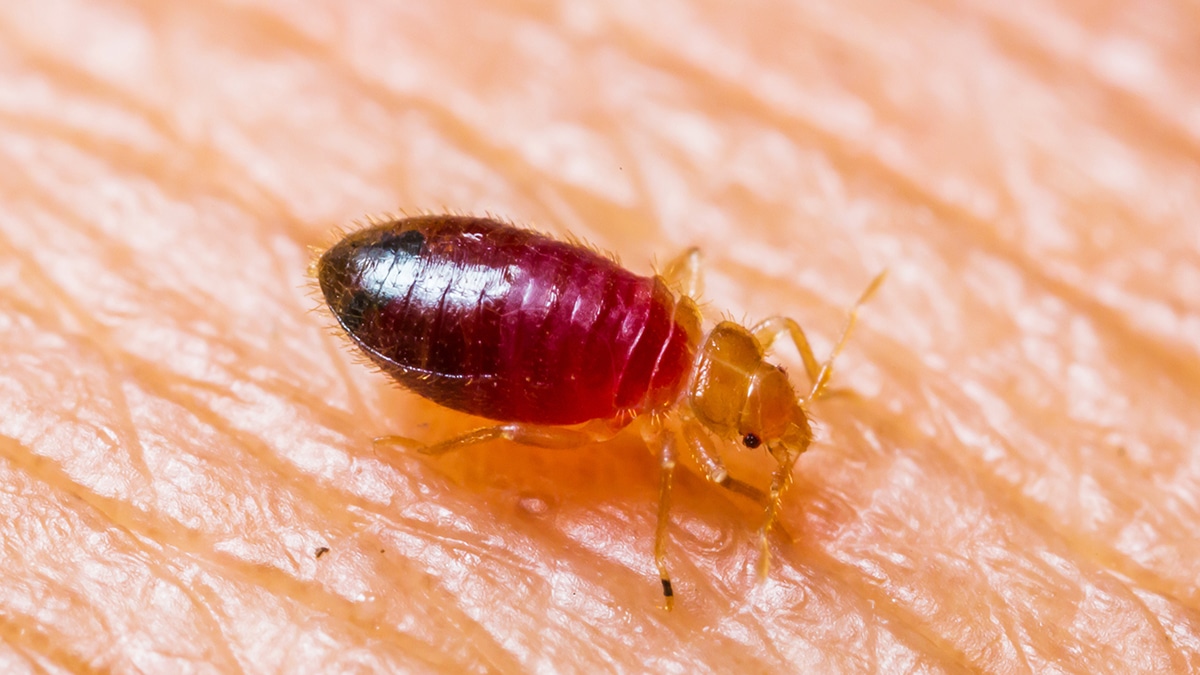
1007,483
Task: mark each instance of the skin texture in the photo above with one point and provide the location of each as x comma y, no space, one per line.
1009,483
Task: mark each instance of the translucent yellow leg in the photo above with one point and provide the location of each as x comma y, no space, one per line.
666,457
683,273
780,480
770,329
710,461
524,434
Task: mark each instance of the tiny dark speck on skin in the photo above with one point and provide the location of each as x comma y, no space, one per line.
322,551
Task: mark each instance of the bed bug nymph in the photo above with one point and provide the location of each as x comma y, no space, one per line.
564,347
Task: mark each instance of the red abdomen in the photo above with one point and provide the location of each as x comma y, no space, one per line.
505,323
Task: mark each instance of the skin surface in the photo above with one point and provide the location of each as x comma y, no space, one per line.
1009,483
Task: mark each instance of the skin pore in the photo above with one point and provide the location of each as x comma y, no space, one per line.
1006,479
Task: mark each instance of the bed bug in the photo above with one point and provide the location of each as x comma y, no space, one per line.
563,347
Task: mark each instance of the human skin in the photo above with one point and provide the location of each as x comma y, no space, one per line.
1007,480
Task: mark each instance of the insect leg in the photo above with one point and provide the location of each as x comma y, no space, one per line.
781,478
683,273
708,459
714,469
666,457
768,330
524,434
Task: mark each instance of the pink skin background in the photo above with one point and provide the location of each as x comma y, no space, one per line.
1008,481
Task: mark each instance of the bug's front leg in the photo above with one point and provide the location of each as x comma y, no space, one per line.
770,329
710,461
781,479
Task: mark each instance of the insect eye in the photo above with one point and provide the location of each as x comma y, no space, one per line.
751,441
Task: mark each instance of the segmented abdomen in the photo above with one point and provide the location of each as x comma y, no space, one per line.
505,323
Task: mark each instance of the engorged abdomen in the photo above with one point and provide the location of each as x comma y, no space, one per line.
505,323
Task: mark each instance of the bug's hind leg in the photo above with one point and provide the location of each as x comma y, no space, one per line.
523,434
667,456
683,273
770,329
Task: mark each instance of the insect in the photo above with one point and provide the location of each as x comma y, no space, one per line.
563,347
